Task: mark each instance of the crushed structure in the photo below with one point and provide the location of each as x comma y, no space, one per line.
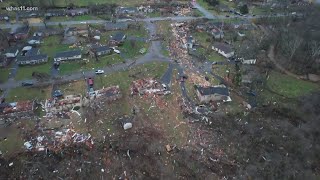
106,94
17,109
148,86
55,105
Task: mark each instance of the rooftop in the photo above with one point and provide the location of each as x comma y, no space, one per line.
222,46
100,48
33,51
213,90
30,58
68,53
118,36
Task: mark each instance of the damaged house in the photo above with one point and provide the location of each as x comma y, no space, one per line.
117,39
190,42
216,33
68,55
56,105
215,93
126,10
17,109
21,33
100,51
77,11
148,86
223,49
107,94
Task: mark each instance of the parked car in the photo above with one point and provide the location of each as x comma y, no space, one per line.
90,82
99,71
27,83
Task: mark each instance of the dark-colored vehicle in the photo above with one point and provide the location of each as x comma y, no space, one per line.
57,93
27,83
90,82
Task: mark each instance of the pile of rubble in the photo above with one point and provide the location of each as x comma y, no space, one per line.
148,86
107,94
56,105
54,140
17,109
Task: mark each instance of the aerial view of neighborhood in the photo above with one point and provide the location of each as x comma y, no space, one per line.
160,89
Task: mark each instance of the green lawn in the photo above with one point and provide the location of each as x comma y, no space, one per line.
214,56
131,50
164,28
154,14
25,72
155,70
76,18
52,44
4,74
69,67
289,86
202,37
23,93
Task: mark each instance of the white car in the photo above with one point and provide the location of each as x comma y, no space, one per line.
83,22
99,71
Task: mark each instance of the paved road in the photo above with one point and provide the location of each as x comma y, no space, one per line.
208,15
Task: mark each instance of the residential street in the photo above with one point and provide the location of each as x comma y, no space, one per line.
153,54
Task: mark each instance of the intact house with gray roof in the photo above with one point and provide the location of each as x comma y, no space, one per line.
223,49
68,56
32,52
117,39
215,93
32,59
100,51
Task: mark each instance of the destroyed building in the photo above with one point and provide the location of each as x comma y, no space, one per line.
106,94
55,105
17,109
148,86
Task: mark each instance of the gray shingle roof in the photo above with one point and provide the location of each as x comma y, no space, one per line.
101,48
213,90
224,47
68,54
30,58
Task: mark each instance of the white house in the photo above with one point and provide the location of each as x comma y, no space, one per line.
223,49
